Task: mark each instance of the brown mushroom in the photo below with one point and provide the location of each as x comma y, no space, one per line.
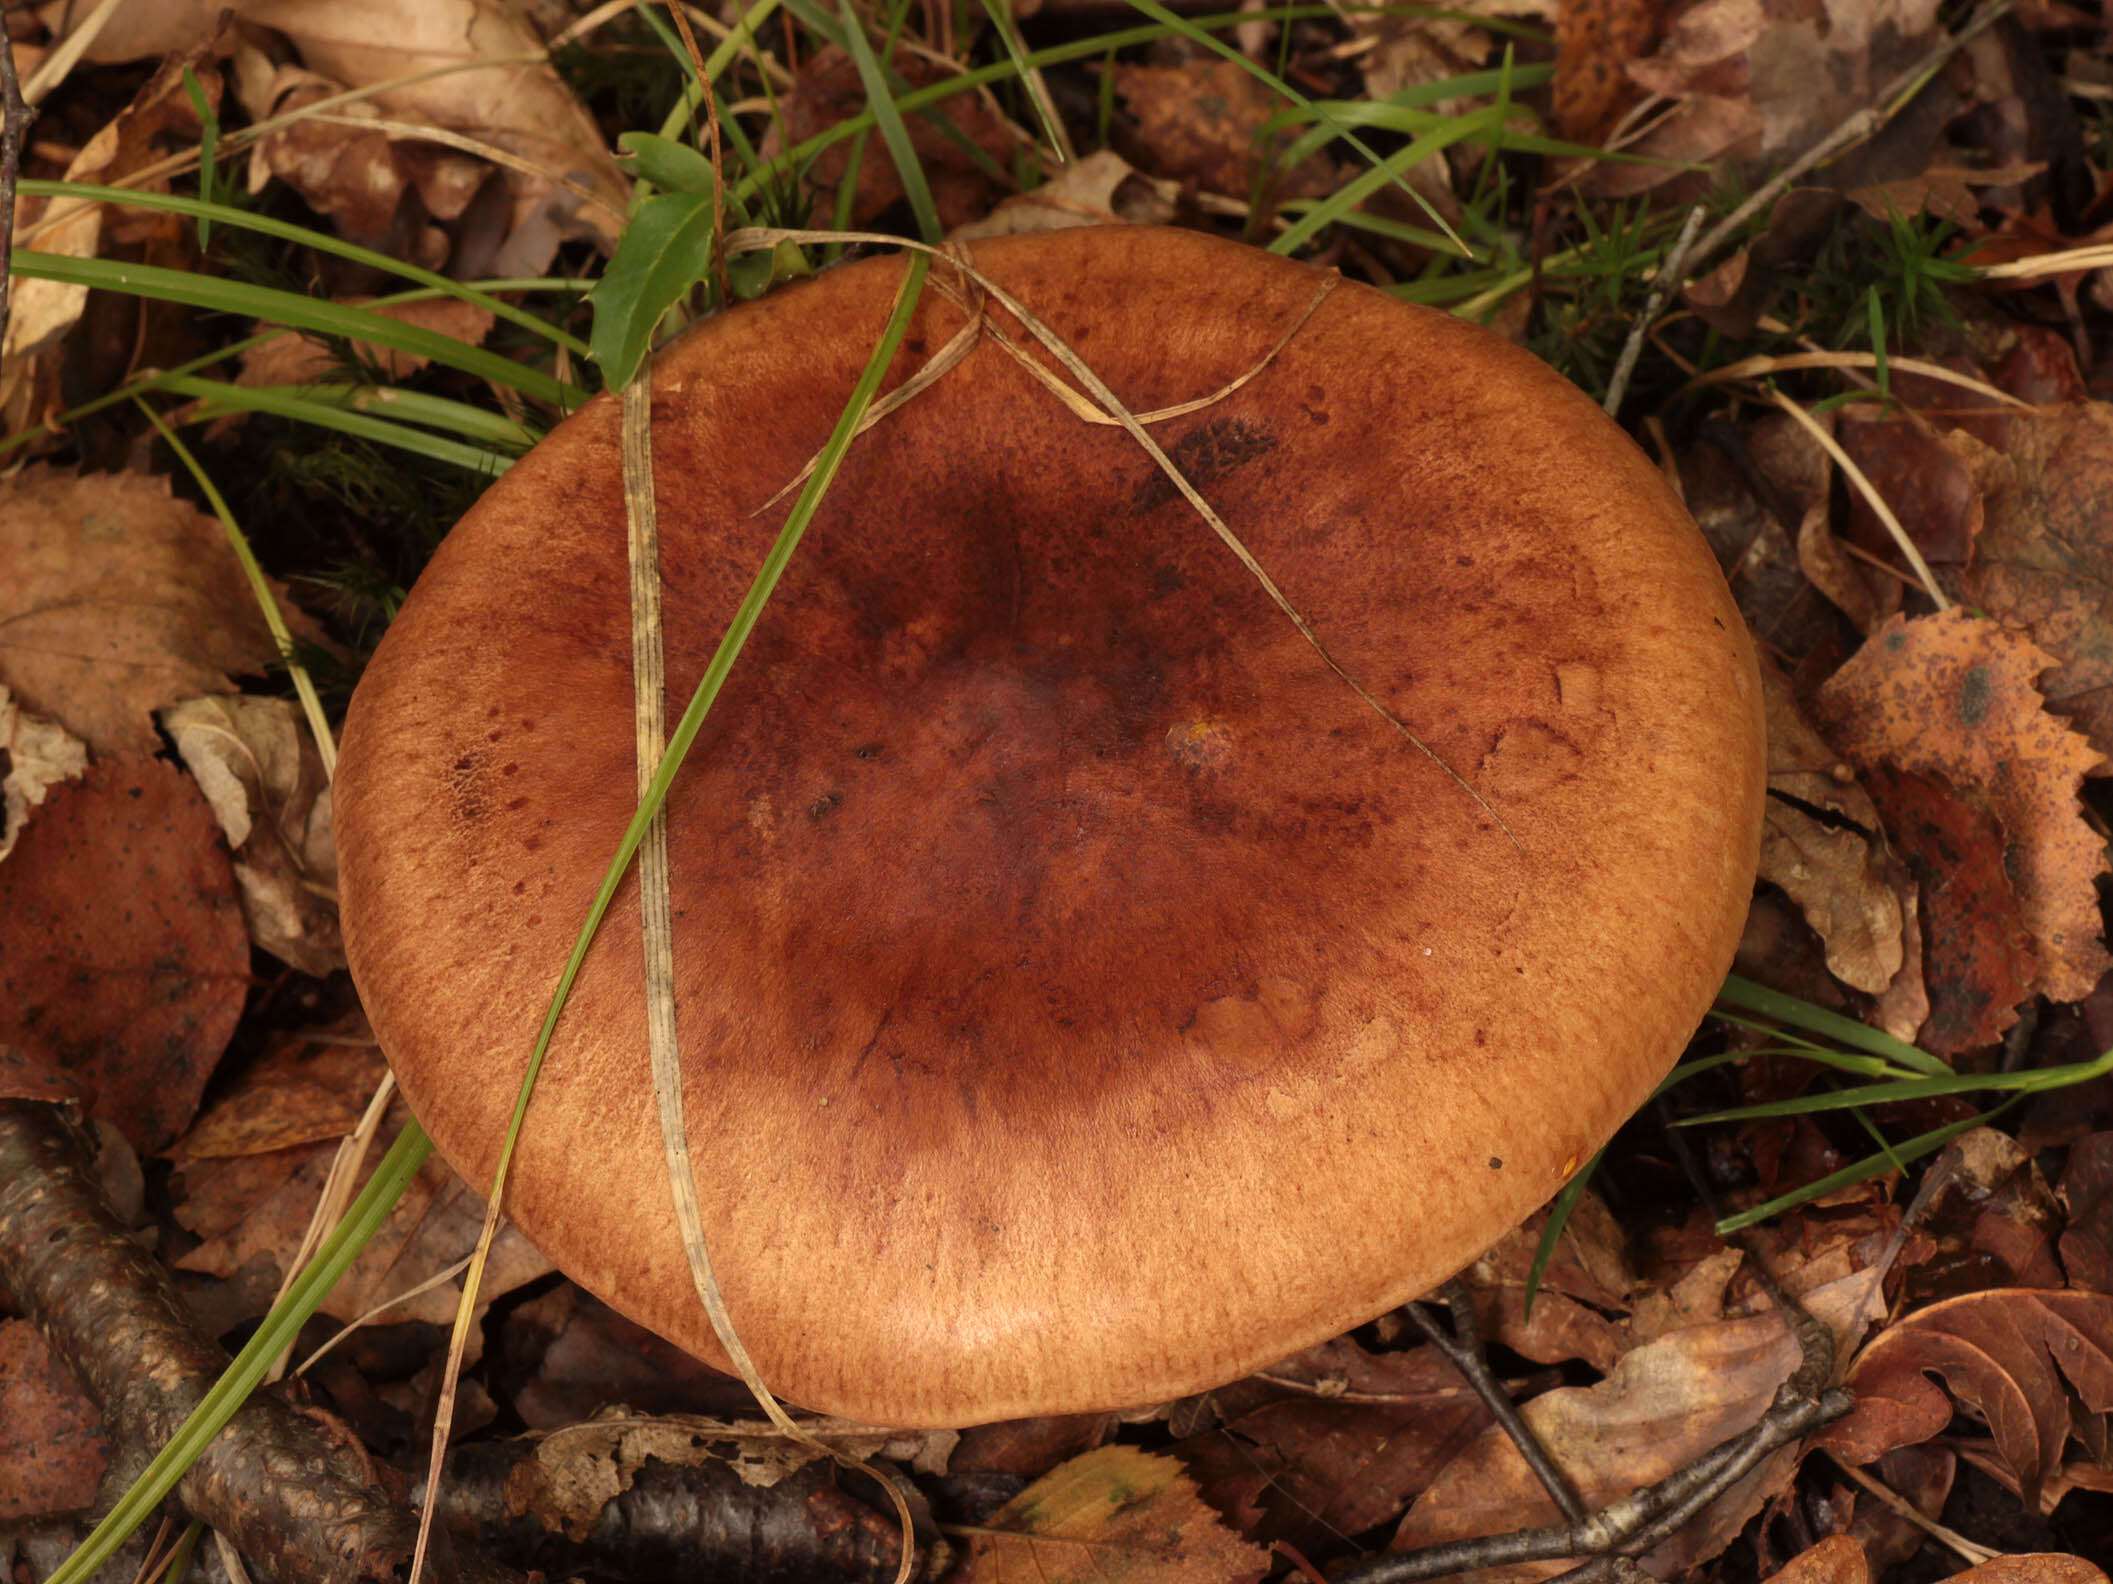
1085,996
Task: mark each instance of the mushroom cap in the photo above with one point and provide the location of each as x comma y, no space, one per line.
1084,997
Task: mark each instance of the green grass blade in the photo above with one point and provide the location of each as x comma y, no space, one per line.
1456,129
241,219
208,151
715,674
347,409
1750,997
887,115
1202,36
801,154
273,1337
1863,1171
2034,1081
301,313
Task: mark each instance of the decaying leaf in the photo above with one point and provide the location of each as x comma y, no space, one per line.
1978,963
119,599
2032,1568
1199,122
52,1454
2087,1190
256,1208
259,769
1954,697
1595,40
307,1088
1333,1441
467,67
1835,1560
42,311
1100,189
964,185
2040,559
2005,1355
1113,1515
299,360
1821,842
37,753
122,952
1584,1289
1663,1405
579,1469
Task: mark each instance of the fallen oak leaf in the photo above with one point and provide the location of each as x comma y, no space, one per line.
121,598
37,753
1108,1517
2004,1354
1953,696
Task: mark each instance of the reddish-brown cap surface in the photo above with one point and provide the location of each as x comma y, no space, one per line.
1084,997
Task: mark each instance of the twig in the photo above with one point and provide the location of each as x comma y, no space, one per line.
1462,1346
1669,278
15,117
293,1498
1636,1523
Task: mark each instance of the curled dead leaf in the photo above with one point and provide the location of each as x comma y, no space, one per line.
2016,1358
259,769
1821,843
37,753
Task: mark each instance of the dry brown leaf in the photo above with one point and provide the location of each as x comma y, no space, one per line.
2032,1568
52,1454
828,90
1197,124
256,1207
519,106
1954,697
1820,842
578,1355
1663,1405
298,360
1595,40
1978,963
1586,1283
1089,191
2087,1190
2005,1355
122,953
2040,561
42,311
120,599
37,754
1333,1441
1835,1560
1113,1515
259,768
306,1089
1922,479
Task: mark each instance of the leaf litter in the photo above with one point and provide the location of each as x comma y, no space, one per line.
1931,823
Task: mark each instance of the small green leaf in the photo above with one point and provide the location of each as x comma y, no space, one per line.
672,166
665,250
